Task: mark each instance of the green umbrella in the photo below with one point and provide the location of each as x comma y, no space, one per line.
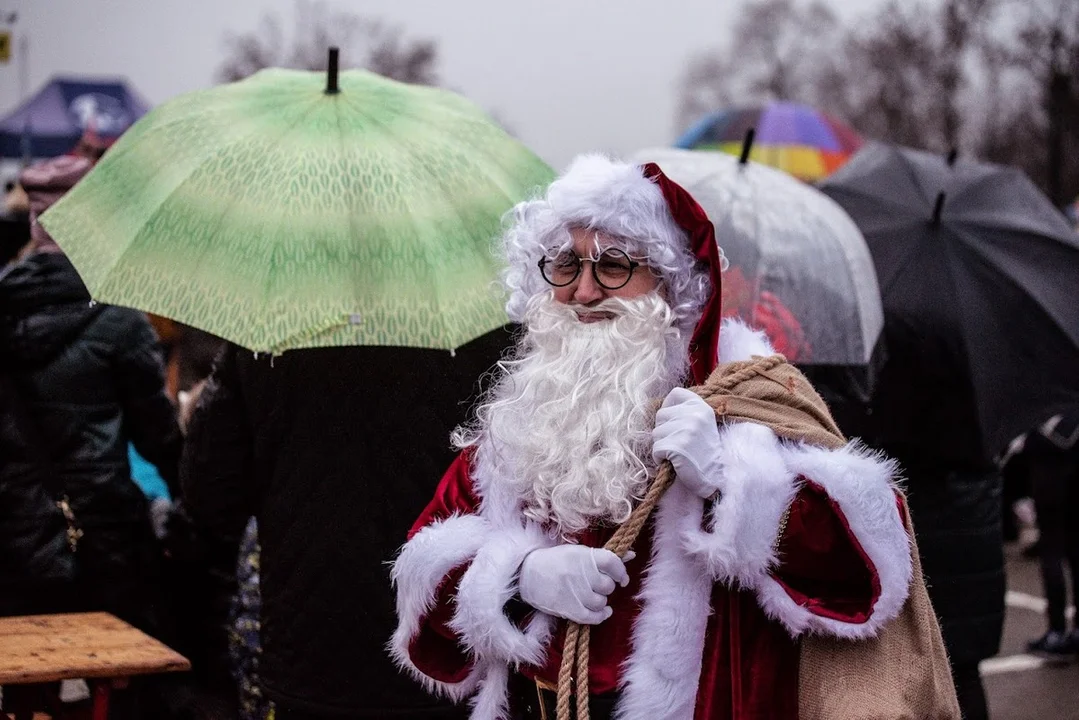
278,213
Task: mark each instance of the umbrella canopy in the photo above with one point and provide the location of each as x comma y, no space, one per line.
52,121
278,215
794,138
799,268
979,275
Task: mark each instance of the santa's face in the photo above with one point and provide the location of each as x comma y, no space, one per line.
603,267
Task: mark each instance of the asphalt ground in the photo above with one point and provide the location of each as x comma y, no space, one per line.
1019,685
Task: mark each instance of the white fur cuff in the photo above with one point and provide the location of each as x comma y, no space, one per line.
488,584
738,546
860,484
420,568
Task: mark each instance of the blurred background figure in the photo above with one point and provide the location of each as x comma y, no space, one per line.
333,449
1047,462
79,382
14,221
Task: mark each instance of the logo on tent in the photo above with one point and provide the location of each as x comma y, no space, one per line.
103,114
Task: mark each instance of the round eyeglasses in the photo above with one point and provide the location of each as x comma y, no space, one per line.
611,270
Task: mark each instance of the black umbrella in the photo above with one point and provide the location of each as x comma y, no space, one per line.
979,275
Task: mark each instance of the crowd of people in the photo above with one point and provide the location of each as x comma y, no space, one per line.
281,522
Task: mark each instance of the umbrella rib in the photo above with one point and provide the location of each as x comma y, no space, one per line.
967,377
353,229
221,218
913,175
433,292
850,260
452,207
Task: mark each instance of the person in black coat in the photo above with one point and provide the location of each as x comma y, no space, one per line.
1050,461
335,451
923,415
79,382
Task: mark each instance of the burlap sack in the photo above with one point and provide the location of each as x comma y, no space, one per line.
903,673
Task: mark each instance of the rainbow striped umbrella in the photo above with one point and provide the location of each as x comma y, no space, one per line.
797,139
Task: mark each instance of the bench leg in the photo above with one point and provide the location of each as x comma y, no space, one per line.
102,692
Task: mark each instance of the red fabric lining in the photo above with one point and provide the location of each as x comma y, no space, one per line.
435,650
844,588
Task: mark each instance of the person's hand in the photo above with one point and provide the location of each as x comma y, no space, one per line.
572,581
687,435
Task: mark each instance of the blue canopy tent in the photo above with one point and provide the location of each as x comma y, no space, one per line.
52,121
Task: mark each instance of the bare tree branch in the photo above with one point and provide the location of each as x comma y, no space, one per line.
364,42
996,78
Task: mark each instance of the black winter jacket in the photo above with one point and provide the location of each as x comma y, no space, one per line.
336,451
77,383
956,513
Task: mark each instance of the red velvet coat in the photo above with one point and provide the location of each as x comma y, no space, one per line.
709,625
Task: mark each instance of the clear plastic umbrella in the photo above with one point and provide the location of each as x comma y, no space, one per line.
799,267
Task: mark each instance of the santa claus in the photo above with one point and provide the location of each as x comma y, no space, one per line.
614,274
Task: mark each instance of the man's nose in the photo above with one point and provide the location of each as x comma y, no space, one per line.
587,290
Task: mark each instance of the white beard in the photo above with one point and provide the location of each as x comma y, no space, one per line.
567,428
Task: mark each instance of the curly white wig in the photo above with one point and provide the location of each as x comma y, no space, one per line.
615,198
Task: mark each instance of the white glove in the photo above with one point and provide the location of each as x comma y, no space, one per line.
687,435
572,581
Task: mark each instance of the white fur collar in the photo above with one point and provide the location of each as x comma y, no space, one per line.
738,341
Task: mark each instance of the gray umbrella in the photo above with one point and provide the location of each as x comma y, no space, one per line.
979,275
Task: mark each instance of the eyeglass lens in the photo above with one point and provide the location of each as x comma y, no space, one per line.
612,269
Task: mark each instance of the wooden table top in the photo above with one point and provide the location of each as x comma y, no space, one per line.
46,648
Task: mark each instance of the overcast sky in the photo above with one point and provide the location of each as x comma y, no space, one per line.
567,75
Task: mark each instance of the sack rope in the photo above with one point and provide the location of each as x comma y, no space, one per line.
575,649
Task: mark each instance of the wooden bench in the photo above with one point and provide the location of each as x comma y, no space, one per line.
37,650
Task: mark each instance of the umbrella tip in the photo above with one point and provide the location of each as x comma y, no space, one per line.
938,208
747,145
952,155
331,73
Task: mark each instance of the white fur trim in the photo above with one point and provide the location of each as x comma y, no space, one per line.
489,583
420,568
596,191
492,701
757,487
661,675
737,341
861,484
